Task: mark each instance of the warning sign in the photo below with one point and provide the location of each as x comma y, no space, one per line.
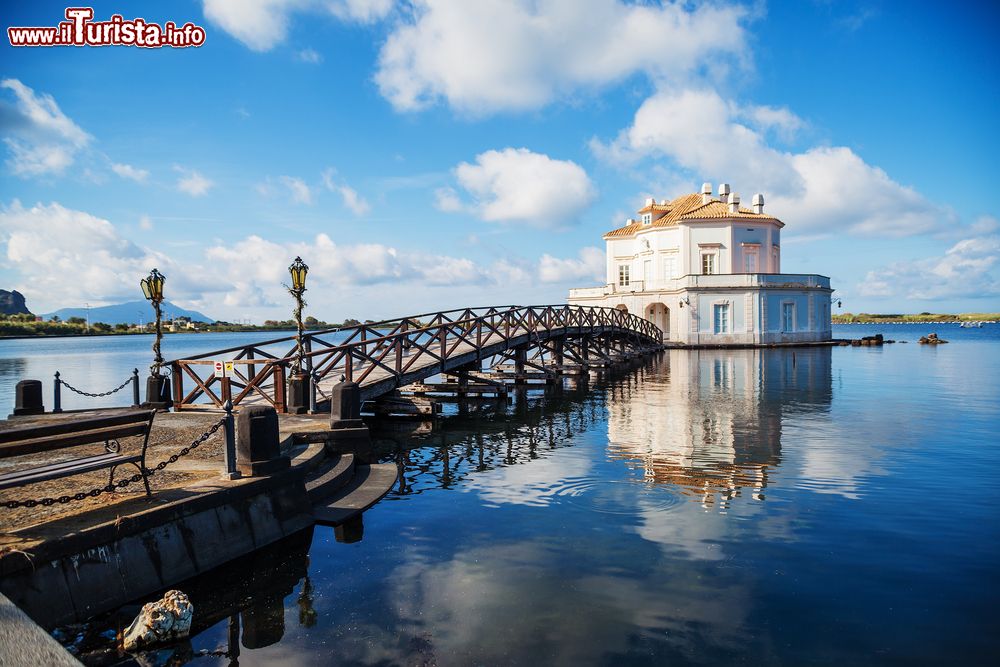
229,369
220,369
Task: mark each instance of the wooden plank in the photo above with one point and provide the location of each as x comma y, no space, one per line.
72,425
84,465
36,445
67,464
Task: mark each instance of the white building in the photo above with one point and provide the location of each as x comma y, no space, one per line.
708,272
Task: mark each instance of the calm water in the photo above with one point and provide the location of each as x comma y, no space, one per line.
823,506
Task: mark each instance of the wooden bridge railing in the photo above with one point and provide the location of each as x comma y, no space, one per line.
394,352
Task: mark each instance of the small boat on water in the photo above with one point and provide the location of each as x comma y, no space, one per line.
971,325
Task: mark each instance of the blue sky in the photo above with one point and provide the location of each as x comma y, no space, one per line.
432,154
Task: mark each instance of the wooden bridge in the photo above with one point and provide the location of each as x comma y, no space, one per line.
487,345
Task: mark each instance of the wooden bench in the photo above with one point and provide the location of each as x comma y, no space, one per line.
69,432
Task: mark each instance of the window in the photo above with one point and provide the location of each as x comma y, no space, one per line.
787,317
708,264
623,270
647,271
721,312
669,268
774,261
647,218
750,261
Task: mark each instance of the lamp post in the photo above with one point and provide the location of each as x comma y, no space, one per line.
298,400
157,386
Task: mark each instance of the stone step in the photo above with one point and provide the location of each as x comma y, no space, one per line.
332,476
369,484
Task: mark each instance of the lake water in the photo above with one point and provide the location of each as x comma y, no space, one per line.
768,507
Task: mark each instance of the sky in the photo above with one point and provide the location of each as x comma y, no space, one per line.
430,154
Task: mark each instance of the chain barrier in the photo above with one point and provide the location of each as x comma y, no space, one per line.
122,483
106,393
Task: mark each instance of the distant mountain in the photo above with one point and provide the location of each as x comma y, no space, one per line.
129,313
12,303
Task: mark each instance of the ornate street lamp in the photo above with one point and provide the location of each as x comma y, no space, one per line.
157,386
152,289
299,384
298,270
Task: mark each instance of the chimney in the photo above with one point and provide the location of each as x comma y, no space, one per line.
734,203
630,221
724,192
650,201
663,202
758,204
706,193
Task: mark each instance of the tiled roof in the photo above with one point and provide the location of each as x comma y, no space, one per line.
716,209
683,209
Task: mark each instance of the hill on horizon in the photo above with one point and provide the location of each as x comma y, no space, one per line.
128,313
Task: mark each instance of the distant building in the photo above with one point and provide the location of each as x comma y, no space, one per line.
708,272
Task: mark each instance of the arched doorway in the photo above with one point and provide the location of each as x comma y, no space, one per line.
659,314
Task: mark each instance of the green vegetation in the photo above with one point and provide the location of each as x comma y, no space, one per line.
870,318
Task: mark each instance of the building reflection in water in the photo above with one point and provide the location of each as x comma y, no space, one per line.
710,421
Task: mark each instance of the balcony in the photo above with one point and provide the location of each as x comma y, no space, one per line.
715,281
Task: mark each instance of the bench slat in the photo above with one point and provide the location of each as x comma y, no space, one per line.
46,444
70,425
56,471
68,464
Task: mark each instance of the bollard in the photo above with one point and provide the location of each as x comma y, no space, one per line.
230,454
258,451
312,393
345,405
57,394
135,387
28,398
158,392
298,402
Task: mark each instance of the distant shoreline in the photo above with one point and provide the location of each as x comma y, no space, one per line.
137,333
921,318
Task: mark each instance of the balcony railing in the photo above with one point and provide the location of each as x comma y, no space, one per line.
714,281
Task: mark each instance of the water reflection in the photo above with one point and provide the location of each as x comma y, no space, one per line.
710,422
247,596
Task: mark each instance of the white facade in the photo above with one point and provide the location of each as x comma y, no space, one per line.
708,272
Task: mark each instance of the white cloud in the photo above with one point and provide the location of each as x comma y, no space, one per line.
41,138
311,56
130,172
590,265
145,223
825,188
360,11
192,182
785,123
350,197
447,200
966,270
517,185
495,55
298,190
66,257
263,24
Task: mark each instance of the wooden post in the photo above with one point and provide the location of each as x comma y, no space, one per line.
252,368
311,387
279,387
227,392
177,375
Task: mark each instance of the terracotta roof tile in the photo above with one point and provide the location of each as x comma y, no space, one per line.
686,208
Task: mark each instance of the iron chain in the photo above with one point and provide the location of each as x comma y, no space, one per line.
122,483
106,393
